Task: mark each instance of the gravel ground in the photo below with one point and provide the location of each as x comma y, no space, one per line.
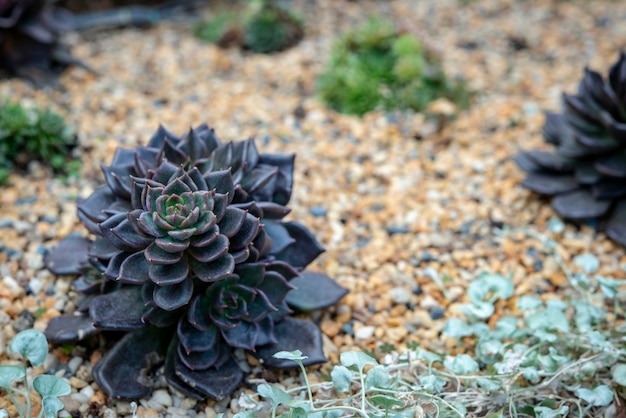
399,200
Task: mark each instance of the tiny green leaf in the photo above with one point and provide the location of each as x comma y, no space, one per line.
48,385
51,406
277,395
456,328
342,378
356,358
588,262
31,344
548,319
545,412
489,384
600,396
9,374
482,310
528,303
619,374
385,401
378,377
490,287
298,413
489,351
432,383
295,355
429,356
461,364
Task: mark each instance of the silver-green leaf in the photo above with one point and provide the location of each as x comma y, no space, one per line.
356,358
31,345
9,374
342,378
48,385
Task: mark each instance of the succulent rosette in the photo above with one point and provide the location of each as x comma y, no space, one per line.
30,33
190,238
586,172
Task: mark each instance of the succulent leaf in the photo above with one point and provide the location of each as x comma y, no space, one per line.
124,371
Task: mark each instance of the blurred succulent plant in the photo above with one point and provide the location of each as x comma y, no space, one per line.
28,134
29,39
586,171
375,66
190,238
265,27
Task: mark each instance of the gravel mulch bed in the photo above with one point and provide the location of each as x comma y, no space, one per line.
399,200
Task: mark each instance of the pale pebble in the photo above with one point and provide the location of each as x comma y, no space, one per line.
365,332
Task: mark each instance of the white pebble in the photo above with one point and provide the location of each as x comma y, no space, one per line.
429,303
74,363
87,391
12,285
365,332
161,397
400,296
35,285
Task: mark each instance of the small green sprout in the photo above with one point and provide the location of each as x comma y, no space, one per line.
32,346
34,134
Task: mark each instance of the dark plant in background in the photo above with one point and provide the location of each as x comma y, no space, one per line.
196,262
29,39
34,134
264,27
586,171
376,67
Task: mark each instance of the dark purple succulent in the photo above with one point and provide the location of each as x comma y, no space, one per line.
586,171
195,256
30,44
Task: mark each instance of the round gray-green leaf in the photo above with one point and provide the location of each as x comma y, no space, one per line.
619,374
51,406
277,395
9,374
356,358
31,344
461,364
377,377
385,401
295,355
48,385
342,378
600,396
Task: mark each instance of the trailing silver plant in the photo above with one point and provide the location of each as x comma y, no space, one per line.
32,346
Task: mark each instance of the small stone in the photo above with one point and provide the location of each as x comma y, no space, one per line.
161,397
24,321
400,295
330,327
318,211
437,313
429,303
365,332
74,363
77,383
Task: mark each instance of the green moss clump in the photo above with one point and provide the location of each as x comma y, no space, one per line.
34,134
264,27
375,67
